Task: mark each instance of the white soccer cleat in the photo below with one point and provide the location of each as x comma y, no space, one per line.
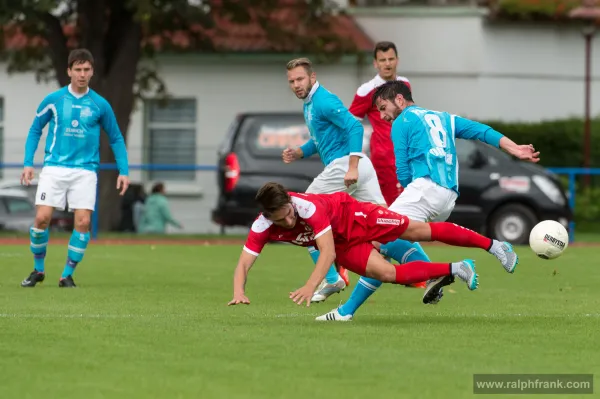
505,254
466,272
334,315
325,290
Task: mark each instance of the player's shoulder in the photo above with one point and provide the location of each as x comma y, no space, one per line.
326,96
403,79
100,101
261,224
56,95
306,204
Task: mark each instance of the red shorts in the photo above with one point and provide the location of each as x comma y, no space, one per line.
370,223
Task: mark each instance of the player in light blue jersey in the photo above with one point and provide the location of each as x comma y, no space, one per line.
337,136
75,115
427,168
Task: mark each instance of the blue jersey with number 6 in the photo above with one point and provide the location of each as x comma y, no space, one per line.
424,144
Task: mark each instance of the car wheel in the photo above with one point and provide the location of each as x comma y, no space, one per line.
512,223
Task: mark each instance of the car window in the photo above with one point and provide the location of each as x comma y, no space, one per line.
265,136
2,207
18,205
465,149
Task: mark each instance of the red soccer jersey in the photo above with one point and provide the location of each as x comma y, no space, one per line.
317,214
382,149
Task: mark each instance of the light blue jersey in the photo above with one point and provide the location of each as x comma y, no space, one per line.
424,144
334,131
73,139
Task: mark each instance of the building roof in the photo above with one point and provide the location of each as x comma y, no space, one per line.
228,36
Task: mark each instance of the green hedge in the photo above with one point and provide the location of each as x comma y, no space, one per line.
560,142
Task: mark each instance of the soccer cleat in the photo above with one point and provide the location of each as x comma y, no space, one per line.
67,282
466,272
34,278
334,315
506,255
343,272
434,291
325,290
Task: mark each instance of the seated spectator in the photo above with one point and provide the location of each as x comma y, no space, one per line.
156,214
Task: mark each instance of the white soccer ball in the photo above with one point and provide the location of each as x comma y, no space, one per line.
549,239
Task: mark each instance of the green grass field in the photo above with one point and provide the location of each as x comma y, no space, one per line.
153,323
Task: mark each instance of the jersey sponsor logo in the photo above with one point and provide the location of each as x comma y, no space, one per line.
304,237
86,112
74,123
393,222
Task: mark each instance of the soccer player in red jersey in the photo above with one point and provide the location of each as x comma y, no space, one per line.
385,60
348,231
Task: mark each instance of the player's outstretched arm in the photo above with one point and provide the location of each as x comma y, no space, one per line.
326,247
117,144
471,130
239,278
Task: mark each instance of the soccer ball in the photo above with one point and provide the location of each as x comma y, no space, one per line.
549,239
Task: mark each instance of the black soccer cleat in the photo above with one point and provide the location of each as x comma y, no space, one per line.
67,282
434,290
34,278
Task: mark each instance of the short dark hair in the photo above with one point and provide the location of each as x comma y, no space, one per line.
79,56
389,91
271,197
384,46
158,188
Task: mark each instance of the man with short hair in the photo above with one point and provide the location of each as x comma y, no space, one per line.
347,231
69,175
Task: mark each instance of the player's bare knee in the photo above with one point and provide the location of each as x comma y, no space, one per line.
82,222
417,231
42,219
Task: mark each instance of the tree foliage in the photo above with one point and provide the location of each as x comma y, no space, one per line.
38,35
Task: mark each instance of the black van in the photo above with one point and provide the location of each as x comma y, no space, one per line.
499,196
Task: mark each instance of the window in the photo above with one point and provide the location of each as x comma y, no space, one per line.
171,137
18,205
1,135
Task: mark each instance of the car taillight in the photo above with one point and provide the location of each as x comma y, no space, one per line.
232,172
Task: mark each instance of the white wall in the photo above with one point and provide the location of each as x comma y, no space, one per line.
458,62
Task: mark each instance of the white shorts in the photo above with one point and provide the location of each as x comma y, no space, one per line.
58,186
331,180
425,201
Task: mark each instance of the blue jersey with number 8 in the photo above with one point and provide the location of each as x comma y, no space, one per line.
424,144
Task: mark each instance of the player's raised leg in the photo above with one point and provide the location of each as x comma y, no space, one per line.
381,270
82,198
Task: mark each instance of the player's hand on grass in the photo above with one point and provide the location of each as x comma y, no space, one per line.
27,176
239,299
289,155
122,184
302,294
351,177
